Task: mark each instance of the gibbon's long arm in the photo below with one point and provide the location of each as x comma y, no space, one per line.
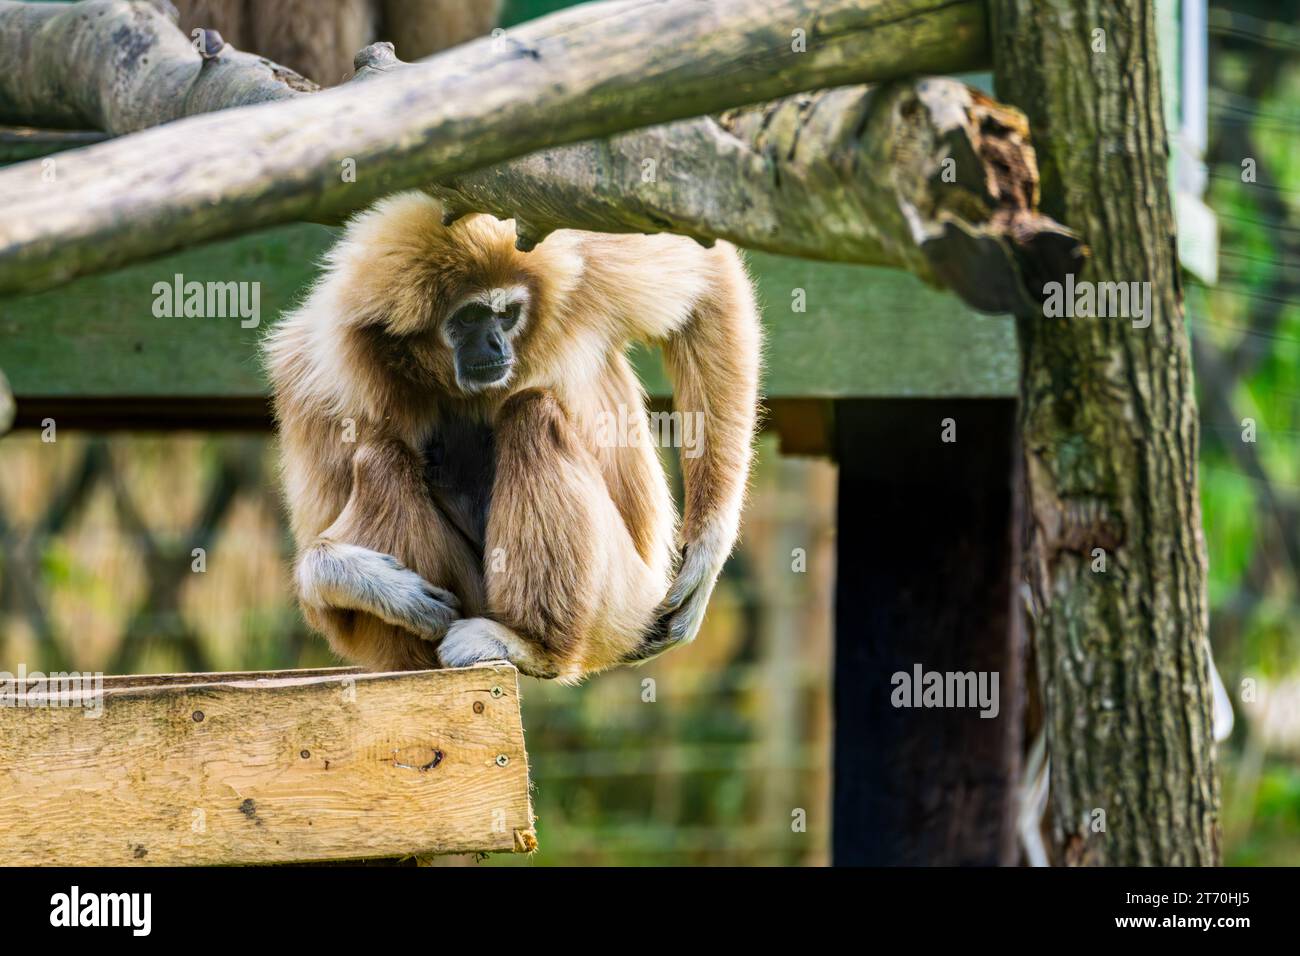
377,556
713,360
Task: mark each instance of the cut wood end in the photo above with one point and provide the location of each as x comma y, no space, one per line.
975,210
526,841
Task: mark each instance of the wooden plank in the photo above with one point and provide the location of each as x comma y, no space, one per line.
256,768
137,681
865,332
927,574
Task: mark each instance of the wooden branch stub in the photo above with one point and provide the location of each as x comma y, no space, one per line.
291,766
374,60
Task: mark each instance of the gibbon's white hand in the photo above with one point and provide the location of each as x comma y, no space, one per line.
682,611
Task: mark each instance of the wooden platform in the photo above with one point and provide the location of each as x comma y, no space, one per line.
280,767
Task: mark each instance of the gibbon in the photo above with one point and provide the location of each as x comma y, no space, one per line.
443,401
319,38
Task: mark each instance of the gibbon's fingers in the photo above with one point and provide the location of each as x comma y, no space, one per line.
675,626
683,609
684,624
350,577
477,640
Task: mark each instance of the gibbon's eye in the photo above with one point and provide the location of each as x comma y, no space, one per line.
465,317
510,317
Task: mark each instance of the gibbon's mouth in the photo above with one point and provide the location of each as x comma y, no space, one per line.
488,373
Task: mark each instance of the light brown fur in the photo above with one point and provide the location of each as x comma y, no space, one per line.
578,551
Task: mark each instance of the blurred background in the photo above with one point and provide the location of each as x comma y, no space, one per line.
705,755
1246,334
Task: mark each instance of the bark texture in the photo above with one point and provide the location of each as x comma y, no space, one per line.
1110,438
120,67
589,72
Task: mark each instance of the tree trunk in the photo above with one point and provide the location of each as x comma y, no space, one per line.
1110,439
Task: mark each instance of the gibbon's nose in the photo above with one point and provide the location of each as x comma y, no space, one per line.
495,346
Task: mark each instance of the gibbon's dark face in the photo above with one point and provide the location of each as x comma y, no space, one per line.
481,333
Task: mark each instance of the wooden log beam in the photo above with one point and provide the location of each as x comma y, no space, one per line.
290,766
853,174
927,175
590,72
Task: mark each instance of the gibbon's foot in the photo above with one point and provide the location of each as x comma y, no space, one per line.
355,578
469,642
475,640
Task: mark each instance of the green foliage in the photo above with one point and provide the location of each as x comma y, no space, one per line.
1249,324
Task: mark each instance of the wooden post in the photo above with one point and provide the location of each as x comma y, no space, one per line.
928,568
